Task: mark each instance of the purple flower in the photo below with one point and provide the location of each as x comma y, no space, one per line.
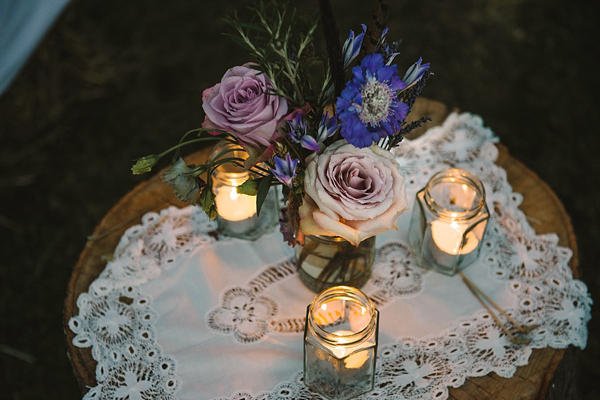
352,46
299,133
242,105
388,51
327,127
285,170
415,72
369,108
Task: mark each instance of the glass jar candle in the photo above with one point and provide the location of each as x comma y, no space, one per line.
236,213
340,343
448,221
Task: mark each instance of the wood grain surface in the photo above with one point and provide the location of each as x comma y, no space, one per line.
544,377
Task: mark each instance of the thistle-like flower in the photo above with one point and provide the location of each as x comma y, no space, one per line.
415,72
369,108
352,46
285,170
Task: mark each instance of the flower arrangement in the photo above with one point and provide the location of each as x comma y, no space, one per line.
321,127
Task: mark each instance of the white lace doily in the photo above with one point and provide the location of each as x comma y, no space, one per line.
181,313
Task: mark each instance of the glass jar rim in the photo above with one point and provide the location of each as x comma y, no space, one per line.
460,176
229,172
349,293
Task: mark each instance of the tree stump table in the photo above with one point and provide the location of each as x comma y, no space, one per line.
549,373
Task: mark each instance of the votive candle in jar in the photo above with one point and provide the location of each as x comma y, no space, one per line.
236,213
449,221
340,343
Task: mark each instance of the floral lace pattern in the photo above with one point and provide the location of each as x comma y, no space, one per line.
117,321
244,314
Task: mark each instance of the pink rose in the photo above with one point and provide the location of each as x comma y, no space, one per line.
241,105
352,193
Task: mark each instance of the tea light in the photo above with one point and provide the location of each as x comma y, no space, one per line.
449,221
236,213
340,343
233,206
448,237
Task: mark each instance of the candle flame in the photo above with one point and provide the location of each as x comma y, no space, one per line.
233,194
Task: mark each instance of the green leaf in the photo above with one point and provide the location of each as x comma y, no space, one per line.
250,187
251,26
207,202
263,190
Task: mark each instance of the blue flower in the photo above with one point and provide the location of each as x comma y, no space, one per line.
299,133
415,72
369,108
327,127
388,51
352,46
285,170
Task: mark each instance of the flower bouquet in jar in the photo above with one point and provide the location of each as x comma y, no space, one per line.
321,126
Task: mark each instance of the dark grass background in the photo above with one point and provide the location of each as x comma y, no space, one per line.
116,80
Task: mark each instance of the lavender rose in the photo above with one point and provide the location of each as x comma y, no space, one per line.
352,193
241,105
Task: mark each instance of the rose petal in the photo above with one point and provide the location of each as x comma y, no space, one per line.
353,193
308,226
341,229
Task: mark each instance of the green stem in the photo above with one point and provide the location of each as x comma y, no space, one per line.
214,164
289,144
292,77
254,172
179,145
266,171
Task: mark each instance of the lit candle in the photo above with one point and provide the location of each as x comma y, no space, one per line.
357,358
449,221
236,212
340,343
448,237
447,240
233,206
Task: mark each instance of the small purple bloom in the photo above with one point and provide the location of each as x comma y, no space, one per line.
310,143
298,128
388,51
299,133
352,46
415,72
327,127
285,170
